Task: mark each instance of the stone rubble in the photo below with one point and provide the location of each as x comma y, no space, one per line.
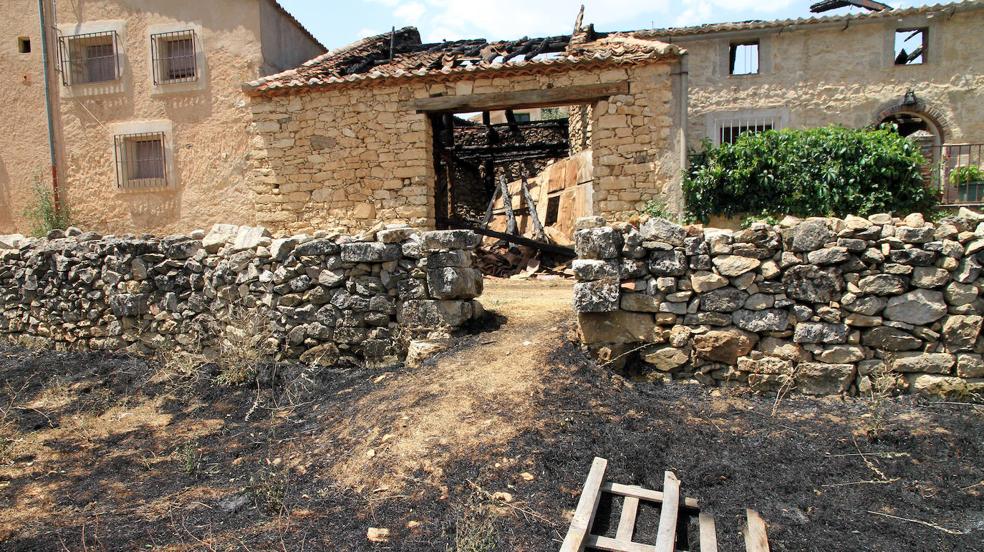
835,304
326,297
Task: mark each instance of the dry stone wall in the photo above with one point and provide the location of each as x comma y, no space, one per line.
829,306
324,297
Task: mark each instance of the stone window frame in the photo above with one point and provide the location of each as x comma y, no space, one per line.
765,47
164,128
778,117
934,41
200,83
86,89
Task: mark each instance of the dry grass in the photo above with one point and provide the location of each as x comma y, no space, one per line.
475,528
246,341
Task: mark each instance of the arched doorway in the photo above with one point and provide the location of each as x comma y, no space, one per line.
926,128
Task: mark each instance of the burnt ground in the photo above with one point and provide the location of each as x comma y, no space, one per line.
107,452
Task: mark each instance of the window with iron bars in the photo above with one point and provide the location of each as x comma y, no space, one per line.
175,57
89,58
141,161
728,130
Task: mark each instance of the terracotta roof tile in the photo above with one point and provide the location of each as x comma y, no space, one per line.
371,60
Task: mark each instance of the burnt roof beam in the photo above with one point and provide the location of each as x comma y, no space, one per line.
828,5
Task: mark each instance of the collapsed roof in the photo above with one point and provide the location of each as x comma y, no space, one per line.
402,55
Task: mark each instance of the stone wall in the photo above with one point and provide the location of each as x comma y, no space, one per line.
351,154
325,297
839,306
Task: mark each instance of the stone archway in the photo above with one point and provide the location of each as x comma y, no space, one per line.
914,117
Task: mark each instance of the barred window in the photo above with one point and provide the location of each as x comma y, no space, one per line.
175,59
726,129
141,161
89,58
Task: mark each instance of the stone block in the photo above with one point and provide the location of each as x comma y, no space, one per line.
452,282
597,296
441,240
816,378
617,327
367,252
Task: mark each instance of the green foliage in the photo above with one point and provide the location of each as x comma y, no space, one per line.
656,208
41,212
771,220
829,171
966,175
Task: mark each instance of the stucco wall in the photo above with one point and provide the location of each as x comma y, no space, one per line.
24,141
285,46
348,156
845,75
207,120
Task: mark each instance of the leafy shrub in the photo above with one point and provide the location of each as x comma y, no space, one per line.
966,175
829,171
41,212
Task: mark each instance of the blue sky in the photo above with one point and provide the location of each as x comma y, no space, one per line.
337,23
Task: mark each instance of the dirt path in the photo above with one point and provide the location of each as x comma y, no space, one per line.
476,398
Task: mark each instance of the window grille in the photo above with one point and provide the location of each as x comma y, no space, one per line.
141,162
728,130
175,58
89,58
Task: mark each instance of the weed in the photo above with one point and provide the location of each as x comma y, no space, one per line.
243,346
268,487
657,208
883,383
179,369
42,213
474,528
771,220
191,458
6,450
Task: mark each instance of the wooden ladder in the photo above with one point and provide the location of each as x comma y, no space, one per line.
671,533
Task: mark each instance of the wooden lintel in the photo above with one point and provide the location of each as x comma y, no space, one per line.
549,97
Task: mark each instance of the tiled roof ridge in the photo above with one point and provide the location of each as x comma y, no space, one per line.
433,60
711,28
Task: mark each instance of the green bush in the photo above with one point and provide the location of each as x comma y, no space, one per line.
830,171
966,175
41,212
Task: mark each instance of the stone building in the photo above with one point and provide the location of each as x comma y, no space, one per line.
148,115
919,67
358,135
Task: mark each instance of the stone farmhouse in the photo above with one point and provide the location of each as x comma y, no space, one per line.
379,130
148,120
394,129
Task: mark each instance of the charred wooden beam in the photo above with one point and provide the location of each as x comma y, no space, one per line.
550,97
518,240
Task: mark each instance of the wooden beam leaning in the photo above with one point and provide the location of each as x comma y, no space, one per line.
666,534
587,505
549,97
756,539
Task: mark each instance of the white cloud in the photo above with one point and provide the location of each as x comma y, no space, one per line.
411,12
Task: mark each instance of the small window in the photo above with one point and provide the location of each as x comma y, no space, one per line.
911,46
744,58
89,58
24,45
522,117
140,161
175,57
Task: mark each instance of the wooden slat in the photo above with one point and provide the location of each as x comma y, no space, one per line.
587,505
756,539
708,533
646,494
548,97
626,523
612,545
666,534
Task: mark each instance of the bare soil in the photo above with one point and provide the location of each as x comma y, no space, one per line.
107,452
